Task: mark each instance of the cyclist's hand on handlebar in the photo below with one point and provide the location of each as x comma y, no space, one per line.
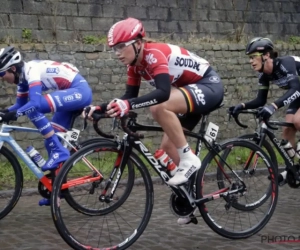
266,112
89,110
233,110
8,116
118,108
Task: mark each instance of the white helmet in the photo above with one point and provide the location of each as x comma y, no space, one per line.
9,57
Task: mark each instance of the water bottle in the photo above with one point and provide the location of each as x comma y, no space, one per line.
35,156
165,161
288,148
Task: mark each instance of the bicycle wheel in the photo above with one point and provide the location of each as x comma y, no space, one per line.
11,181
118,221
223,215
265,146
251,172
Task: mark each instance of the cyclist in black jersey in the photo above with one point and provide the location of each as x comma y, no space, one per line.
282,71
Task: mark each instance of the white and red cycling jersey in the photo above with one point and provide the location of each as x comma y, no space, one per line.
52,75
183,66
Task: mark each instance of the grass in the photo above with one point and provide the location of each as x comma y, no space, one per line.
105,163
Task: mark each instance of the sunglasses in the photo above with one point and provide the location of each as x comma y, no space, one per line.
2,73
252,56
120,46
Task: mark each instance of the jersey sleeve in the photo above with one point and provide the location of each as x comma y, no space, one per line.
33,80
288,67
22,97
262,93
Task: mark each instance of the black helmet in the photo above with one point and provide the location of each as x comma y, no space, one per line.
259,44
9,57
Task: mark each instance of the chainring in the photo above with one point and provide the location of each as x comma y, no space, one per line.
180,206
44,192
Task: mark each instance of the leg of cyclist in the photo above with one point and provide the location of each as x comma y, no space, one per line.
165,114
188,122
293,116
212,96
63,103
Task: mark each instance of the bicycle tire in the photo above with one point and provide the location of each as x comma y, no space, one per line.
18,184
206,213
269,150
132,234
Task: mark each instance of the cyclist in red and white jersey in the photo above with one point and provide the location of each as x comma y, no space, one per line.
184,84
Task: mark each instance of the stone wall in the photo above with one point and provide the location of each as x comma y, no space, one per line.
70,20
108,77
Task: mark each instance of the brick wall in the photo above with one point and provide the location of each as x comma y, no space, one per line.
108,77
58,26
69,20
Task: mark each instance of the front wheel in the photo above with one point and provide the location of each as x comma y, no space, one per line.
117,206
227,213
11,181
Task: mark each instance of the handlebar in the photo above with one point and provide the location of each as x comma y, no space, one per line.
124,125
253,112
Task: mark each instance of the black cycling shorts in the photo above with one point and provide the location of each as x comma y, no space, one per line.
202,98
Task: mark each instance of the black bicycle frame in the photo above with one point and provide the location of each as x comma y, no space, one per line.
266,132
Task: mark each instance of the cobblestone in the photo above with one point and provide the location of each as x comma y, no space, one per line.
29,226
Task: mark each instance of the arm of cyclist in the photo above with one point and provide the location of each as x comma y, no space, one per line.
292,94
119,107
34,102
21,99
131,92
259,101
9,114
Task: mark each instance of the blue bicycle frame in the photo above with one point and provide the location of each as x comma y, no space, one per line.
6,137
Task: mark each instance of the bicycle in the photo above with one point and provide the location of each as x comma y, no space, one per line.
11,184
110,228
264,131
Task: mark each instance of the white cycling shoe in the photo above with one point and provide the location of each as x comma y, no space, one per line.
185,170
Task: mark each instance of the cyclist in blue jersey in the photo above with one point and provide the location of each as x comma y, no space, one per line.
71,92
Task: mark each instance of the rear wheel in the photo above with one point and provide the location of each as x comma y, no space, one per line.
253,172
236,193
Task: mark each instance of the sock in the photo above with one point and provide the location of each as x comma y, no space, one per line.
184,152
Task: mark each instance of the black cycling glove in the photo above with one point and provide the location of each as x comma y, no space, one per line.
9,116
266,112
234,109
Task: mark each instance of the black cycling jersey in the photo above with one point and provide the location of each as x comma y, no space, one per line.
285,75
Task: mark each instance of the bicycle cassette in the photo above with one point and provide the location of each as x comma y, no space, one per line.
180,206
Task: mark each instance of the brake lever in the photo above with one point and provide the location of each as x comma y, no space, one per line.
85,123
115,124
